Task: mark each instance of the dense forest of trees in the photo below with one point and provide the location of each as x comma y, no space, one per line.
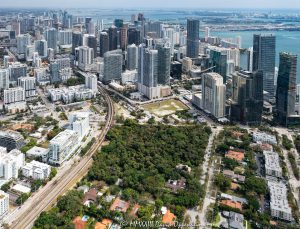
145,158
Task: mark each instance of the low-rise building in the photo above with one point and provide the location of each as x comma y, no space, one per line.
236,177
272,164
38,153
234,155
36,170
279,205
260,137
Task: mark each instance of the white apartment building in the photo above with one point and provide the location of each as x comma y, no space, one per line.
36,170
213,94
10,163
14,95
279,205
91,82
62,146
272,164
29,85
4,204
80,123
259,137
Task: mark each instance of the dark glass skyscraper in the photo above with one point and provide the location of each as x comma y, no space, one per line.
264,51
219,61
164,63
192,38
104,43
76,40
92,43
286,87
134,36
247,97
113,38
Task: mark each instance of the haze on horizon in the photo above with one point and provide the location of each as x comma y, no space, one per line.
269,4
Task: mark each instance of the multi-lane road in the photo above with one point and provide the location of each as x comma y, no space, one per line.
57,187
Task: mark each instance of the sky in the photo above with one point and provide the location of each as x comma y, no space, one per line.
153,3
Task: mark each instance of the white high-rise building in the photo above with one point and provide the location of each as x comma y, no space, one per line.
4,79
132,57
85,58
29,52
207,33
22,41
213,94
13,95
4,204
91,82
65,37
80,123
29,85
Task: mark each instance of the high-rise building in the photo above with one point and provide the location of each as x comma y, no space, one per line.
85,58
41,46
29,85
193,30
65,37
4,79
76,40
213,94
58,67
92,43
29,52
286,88
134,36
219,62
4,204
13,95
113,61
22,41
207,33
91,82
80,123
104,43
16,70
113,38
247,97
123,38
264,51
118,23
51,37
164,63
132,57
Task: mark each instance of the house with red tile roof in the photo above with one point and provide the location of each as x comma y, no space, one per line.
119,205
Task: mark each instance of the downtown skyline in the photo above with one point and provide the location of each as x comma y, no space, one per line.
231,4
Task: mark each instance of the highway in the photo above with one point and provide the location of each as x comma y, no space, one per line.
57,187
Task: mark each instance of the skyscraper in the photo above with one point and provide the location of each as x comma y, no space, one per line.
4,79
193,31
113,38
51,37
22,41
113,61
247,97
86,58
132,57
264,51
286,88
118,23
92,43
213,94
123,38
76,40
41,46
164,63
219,62
134,36
104,43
